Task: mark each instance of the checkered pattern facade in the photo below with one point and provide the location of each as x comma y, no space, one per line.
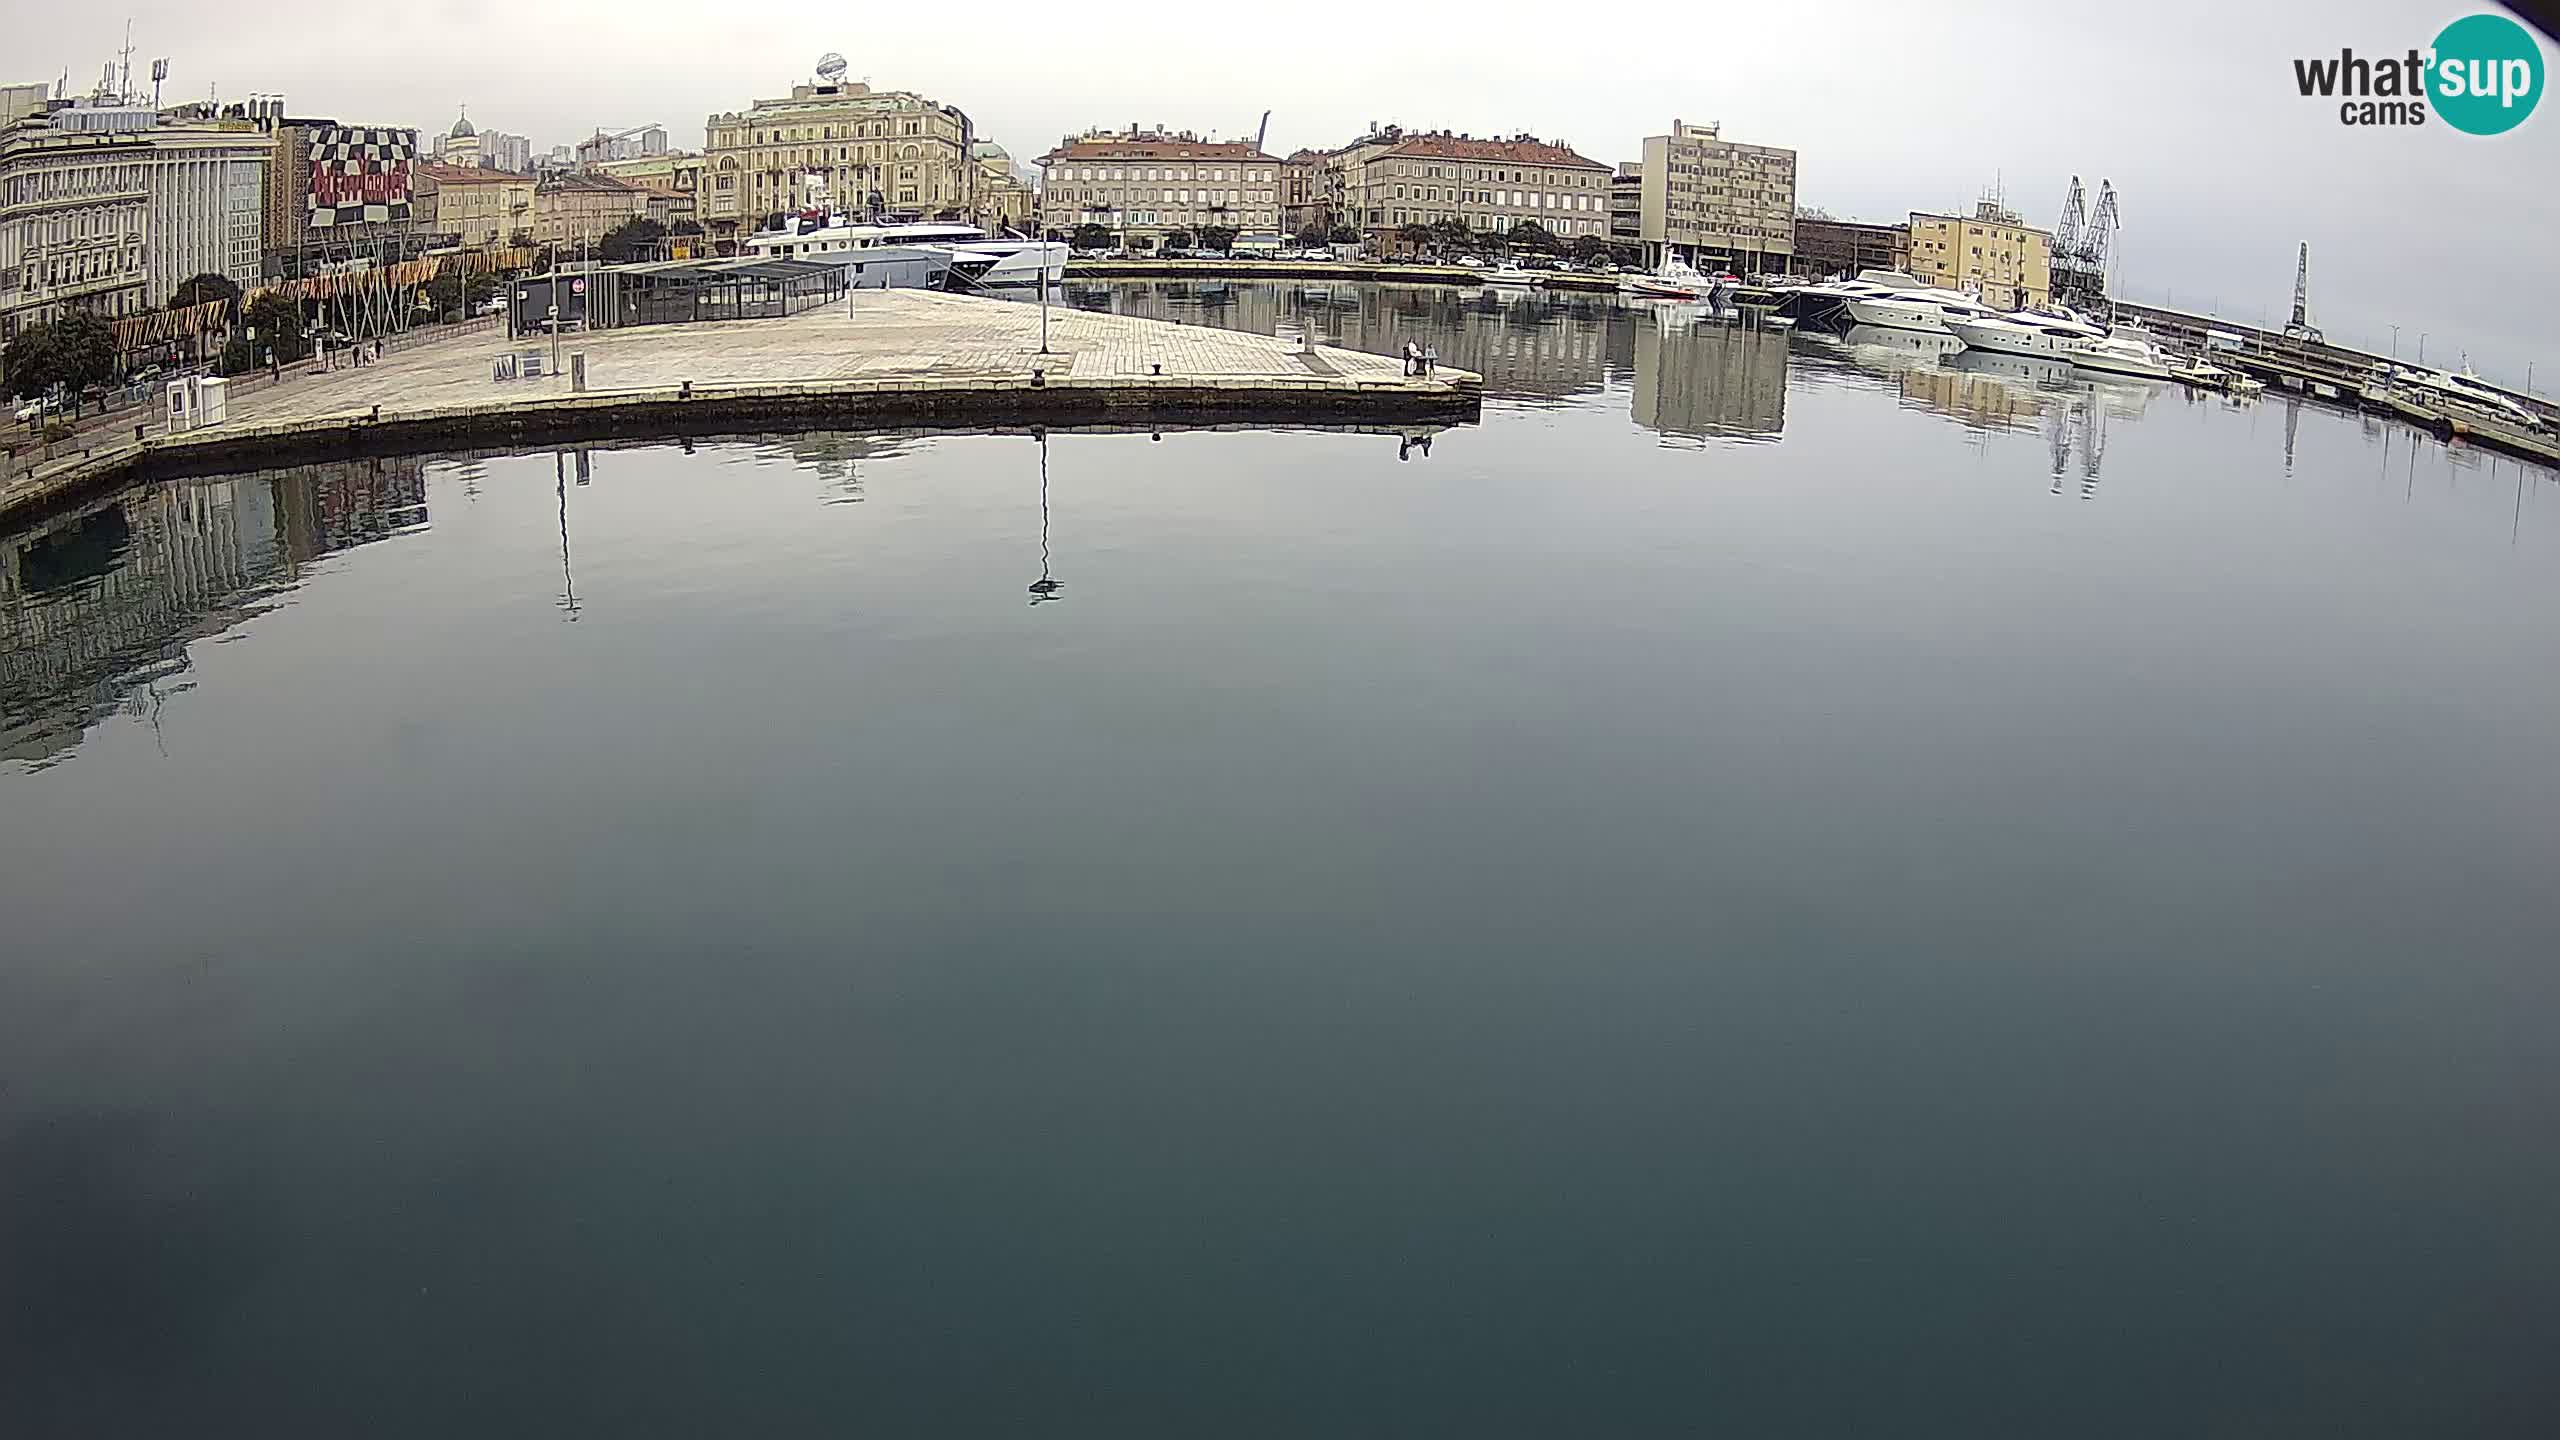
360,176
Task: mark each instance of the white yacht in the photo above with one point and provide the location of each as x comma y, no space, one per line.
1676,280
1016,261
1868,283
2463,395
1923,309
1512,277
2041,333
2129,355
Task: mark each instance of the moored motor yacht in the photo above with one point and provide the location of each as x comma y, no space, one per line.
1014,261
2129,355
1924,309
2461,394
1512,277
2025,332
1676,280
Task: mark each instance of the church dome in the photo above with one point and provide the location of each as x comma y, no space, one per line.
462,129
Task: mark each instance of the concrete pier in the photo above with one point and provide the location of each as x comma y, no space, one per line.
901,358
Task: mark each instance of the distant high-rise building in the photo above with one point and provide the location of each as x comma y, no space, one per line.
502,151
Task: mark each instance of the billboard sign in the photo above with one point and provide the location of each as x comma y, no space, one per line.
360,176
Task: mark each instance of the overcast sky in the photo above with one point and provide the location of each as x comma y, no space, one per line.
2190,108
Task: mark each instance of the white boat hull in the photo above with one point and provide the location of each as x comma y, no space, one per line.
1020,263
2122,365
1898,315
2004,339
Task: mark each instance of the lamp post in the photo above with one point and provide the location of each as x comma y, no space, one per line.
2395,342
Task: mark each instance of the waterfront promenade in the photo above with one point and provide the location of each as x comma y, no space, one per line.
902,357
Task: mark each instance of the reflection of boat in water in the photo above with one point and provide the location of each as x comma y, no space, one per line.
2042,372
1925,344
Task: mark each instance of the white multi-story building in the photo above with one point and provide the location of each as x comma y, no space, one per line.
208,186
75,208
1714,202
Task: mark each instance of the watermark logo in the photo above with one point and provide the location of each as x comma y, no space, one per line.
2487,75
2482,76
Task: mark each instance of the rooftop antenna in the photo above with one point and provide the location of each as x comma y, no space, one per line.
159,72
124,67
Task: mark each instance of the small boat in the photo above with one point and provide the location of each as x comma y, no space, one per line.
1676,280
1512,277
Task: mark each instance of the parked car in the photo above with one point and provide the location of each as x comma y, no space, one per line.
37,409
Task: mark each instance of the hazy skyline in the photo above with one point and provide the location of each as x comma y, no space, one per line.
2190,109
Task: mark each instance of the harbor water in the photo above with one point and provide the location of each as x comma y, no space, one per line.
1780,884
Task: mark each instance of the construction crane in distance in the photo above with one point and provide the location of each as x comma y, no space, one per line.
2300,326
598,147
2080,246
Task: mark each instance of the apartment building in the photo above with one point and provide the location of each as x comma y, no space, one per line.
1626,203
864,149
1144,185
478,205
1393,179
2009,262
675,170
1716,203
574,210
1825,246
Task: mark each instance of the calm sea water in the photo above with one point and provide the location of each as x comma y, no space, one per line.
1774,887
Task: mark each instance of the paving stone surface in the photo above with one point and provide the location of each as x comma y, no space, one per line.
890,335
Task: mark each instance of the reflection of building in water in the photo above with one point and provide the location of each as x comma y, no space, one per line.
1974,400
99,606
1708,379
1552,346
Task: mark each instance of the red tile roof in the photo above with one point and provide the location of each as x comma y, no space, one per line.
1522,151
444,174
1153,147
